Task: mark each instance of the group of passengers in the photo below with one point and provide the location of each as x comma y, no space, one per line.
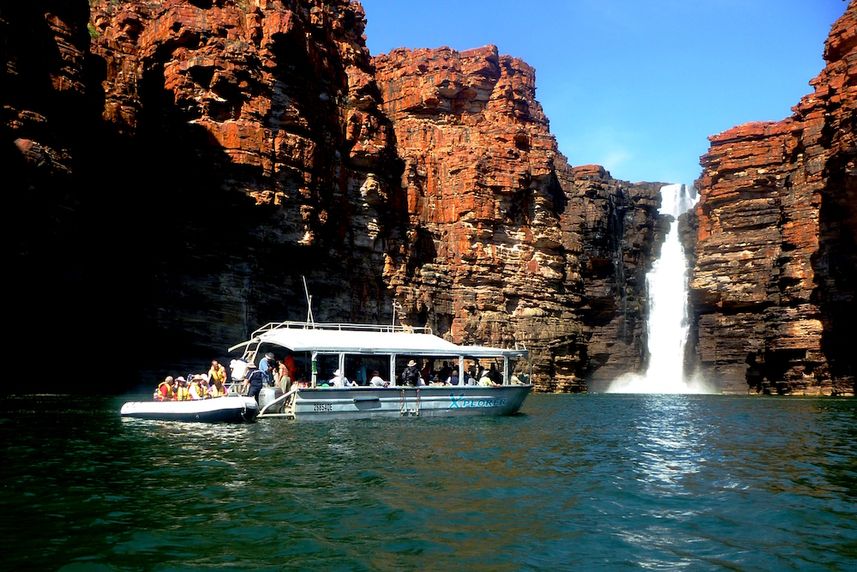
270,372
195,386
250,379
413,376
476,374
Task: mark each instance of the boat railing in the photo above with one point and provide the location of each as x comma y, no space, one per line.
292,325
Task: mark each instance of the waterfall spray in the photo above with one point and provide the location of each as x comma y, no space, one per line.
667,326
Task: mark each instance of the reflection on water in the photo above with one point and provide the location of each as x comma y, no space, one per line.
668,443
598,481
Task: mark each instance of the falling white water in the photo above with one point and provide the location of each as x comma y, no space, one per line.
667,327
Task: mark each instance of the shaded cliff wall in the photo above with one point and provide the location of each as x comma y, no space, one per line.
774,276
176,166
179,165
506,243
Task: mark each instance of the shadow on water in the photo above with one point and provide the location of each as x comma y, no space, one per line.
585,481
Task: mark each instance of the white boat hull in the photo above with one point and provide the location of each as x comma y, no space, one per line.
427,401
229,409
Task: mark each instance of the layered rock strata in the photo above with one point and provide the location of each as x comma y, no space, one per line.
774,276
178,165
213,152
506,243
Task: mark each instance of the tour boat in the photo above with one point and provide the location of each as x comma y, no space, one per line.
315,351
227,409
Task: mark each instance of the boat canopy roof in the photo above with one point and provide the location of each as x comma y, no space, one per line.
334,338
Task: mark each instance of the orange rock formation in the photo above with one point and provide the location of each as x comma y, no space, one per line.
774,278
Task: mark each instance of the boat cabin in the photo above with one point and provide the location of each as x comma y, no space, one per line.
318,350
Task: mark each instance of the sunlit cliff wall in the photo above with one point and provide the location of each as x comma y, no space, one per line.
506,243
774,276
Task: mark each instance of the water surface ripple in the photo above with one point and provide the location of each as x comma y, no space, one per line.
613,482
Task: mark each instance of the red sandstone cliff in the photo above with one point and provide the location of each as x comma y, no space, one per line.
182,164
212,153
507,244
774,278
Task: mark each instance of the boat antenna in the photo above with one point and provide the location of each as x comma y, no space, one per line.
309,317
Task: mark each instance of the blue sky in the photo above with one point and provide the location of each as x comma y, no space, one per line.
634,85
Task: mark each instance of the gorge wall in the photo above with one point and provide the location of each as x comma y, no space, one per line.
177,165
774,276
505,242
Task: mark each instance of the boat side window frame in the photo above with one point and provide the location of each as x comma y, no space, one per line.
314,370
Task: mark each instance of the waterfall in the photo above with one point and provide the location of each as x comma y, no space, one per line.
667,327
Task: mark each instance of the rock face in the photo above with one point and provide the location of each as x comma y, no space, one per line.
505,243
205,155
179,165
774,276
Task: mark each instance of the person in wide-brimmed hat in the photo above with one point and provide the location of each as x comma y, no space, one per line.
411,375
266,366
182,393
338,380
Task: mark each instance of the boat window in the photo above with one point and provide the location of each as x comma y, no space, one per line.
359,367
327,364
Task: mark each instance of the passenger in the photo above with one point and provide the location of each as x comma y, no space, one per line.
182,391
195,390
338,380
217,373
204,387
470,376
426,371
166,390
411,375
360,373
495,375
445,371
254,381
266,365
479,372
284,379
239,369
377,380
453,378
302,380
268,370
291,366
216,389
486,381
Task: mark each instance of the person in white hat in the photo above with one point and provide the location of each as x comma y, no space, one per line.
338,380
411,375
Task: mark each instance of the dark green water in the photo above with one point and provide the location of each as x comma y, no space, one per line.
576,482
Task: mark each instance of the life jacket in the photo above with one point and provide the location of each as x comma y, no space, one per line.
164,391
218,374
195,390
